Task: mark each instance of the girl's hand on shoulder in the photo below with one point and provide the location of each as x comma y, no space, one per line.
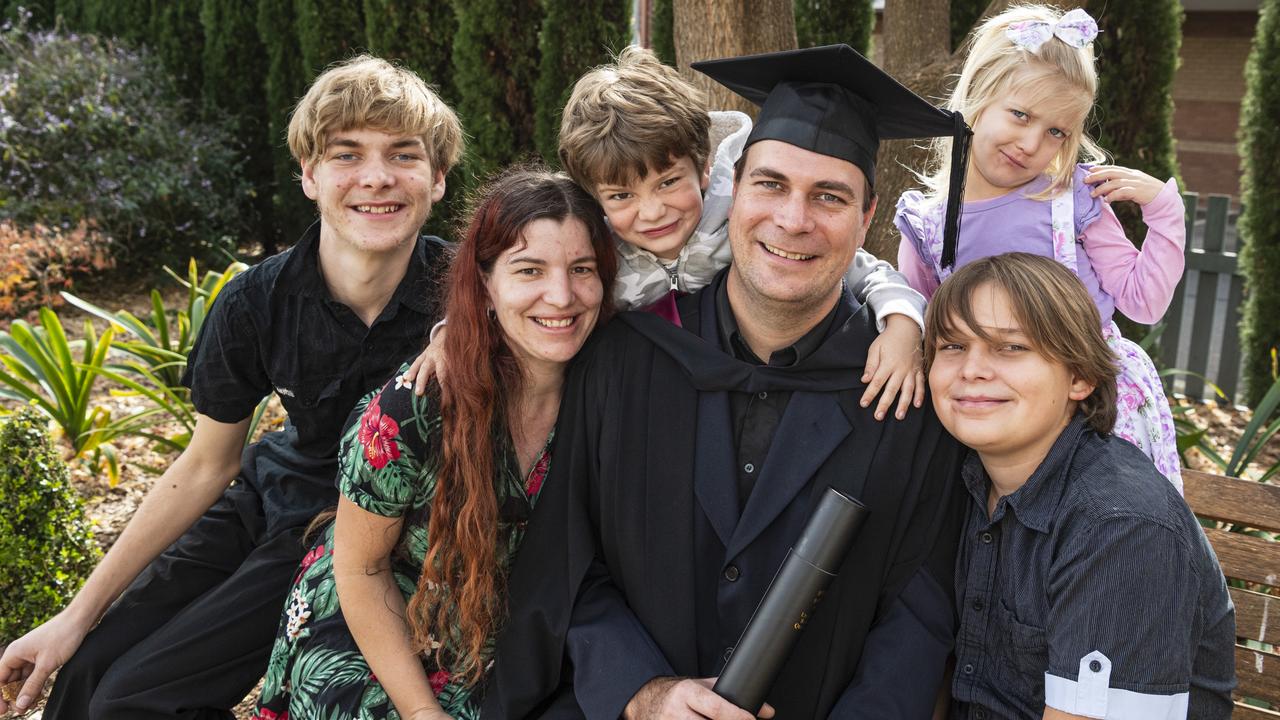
1116,184
895,365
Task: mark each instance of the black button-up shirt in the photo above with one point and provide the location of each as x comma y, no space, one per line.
1091,589
276,328
756,416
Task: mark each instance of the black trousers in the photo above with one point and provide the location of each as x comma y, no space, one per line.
191,637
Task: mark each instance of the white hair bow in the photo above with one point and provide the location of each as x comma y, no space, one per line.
1075,28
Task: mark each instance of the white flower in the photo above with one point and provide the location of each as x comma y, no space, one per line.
297,613
403,381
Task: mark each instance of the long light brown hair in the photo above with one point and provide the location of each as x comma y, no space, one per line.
461,593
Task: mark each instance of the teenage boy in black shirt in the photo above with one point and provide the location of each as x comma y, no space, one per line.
319,324
1084,586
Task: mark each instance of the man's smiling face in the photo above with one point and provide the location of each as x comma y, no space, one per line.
796,223
374,189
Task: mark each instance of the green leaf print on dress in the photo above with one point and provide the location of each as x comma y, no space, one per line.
387,466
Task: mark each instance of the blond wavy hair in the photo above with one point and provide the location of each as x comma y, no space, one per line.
629,117
1055,72
369,92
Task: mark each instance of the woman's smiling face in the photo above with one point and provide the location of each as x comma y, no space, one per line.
546,293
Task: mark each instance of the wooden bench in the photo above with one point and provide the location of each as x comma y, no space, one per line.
1256,561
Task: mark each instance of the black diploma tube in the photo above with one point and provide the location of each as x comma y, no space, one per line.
784,610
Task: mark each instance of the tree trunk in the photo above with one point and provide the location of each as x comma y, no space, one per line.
916,33
707,29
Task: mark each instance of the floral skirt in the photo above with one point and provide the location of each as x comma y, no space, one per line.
316,671
1142,411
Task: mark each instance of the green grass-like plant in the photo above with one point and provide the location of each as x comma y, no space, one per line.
163,339
39,366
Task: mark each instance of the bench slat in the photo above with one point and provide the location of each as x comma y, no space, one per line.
1257,615
1257,674
1244,557
1234,500
1249,712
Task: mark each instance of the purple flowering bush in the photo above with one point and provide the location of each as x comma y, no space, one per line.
93,131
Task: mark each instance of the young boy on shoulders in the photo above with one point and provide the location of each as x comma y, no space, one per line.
318,324
1085,587
638,137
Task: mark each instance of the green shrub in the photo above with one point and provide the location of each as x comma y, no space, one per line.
662,30
964,14
46,544
176,38
1137,53
38,13
93,131
495,66
125,19
1260,220
71,12
823,22
286,81
234,65
575,37
327,32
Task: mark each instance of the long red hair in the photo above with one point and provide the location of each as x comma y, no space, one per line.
461,593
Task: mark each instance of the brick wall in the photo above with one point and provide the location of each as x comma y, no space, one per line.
1206,98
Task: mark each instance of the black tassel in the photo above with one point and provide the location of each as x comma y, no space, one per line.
955,191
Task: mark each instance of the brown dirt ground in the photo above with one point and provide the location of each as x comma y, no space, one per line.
111,507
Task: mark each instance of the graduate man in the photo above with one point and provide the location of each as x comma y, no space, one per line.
688,459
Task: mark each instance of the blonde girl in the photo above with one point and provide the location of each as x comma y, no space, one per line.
1034,184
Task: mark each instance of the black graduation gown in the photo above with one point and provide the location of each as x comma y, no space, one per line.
643,479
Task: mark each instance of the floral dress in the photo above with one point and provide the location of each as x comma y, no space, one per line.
386,466
1143,416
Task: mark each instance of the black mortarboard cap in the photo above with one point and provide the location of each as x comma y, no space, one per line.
832,100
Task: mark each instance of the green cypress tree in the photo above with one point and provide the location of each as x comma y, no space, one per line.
129,20
234,65
416,34
327,32
40,13
495,60
1137,54
825,22
964,13
662,30
1259,222
576,36
285,83
176,37
71,12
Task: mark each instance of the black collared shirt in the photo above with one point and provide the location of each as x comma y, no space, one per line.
1091,589
276,328
756,416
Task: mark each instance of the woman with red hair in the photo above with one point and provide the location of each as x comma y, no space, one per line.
394,610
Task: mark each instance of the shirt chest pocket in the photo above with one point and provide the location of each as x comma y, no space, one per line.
308,393
1024,656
